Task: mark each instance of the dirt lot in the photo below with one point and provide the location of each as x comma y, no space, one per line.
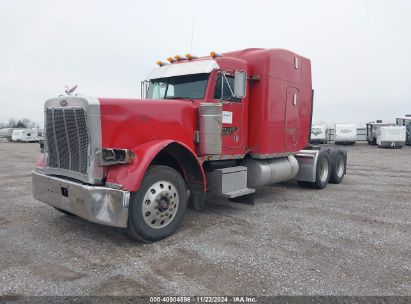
348,239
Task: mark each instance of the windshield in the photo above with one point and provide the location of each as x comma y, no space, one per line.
185,86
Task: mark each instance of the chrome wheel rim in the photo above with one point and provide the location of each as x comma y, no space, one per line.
323,169
340,166
160,204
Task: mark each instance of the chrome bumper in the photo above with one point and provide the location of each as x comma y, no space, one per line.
96,204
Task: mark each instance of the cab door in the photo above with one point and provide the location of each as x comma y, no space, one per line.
233,112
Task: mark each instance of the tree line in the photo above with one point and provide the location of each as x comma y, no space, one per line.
21,123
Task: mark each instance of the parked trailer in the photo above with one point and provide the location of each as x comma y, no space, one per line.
406,121
6,133
27,135
40,135
224,124
345,134
372,130
319,134
391,136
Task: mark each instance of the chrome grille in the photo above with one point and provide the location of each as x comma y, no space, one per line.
67,139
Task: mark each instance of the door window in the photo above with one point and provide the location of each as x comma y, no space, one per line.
224,88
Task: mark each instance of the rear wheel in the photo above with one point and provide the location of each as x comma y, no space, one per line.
338,165
157,208
323,171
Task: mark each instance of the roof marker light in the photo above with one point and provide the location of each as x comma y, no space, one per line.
189,56
178,58
214,54
161,63
171,59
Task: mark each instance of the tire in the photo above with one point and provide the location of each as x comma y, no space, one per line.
161,186
323,171
338,166
64,211
303,184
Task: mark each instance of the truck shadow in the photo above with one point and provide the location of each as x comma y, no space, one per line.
77,228
81,228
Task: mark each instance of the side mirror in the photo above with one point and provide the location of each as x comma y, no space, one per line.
240,84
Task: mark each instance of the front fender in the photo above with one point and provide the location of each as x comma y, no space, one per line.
131,175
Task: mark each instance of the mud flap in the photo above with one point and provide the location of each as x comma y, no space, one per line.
197,200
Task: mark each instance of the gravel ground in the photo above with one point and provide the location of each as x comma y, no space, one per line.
348,239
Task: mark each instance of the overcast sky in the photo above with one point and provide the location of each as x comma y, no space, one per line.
360,50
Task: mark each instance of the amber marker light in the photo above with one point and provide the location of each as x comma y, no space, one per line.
189,56
214,54
179,58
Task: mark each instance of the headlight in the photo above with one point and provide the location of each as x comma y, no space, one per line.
108,156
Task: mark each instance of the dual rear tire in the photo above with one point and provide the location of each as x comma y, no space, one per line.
338,166
331,168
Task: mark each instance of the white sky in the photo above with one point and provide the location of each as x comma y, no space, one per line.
360,50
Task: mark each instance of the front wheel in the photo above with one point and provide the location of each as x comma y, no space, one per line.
157,208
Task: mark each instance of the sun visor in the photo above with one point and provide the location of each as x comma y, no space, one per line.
184,68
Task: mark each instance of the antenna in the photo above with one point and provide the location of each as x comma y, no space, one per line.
192,35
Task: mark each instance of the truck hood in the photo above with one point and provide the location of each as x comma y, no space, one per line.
127,123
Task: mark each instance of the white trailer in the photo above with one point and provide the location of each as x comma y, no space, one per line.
40,134
345,134
27,135
406,121
319,134
6,133
391,136
372,130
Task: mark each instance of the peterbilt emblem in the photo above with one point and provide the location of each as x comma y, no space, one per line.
63,103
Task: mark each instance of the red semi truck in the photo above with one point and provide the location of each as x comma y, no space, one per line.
224,124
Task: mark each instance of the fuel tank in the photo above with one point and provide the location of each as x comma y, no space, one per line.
262,172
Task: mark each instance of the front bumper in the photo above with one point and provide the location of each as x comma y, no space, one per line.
96,204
